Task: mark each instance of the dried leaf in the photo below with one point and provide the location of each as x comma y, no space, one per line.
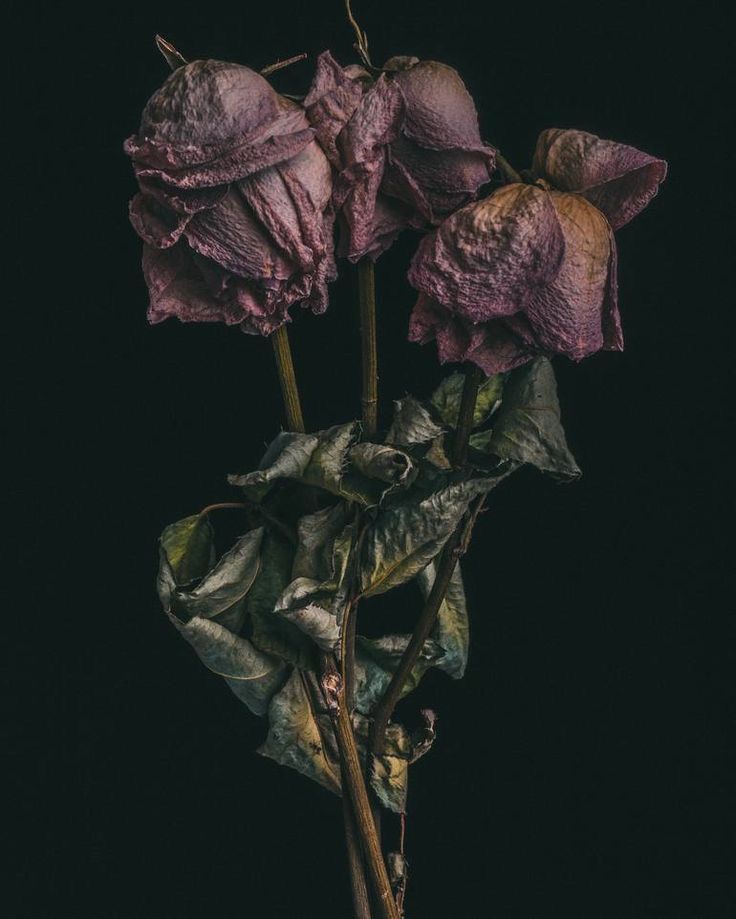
528,428
383,462
452,630
270,632
412,424
295,735
448,396
252,676
406,536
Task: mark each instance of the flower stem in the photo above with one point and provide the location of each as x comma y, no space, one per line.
334,692
508,171
473,379
358,884
367,298
287,378
448,559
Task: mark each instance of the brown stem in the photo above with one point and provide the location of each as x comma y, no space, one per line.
225,505
385,708
358,885
287,378
473,379
279,65
508,171
445,567
334,691
367,298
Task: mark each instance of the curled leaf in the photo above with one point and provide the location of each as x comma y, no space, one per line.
252,675
383,462
452,630
297,735
528,428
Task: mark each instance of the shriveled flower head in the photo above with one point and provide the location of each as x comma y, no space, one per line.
532,268
234,200
406,147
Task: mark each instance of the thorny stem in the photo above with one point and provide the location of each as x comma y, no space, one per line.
287,378
445,568
367,299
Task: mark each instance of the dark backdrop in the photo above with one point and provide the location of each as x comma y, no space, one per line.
579,770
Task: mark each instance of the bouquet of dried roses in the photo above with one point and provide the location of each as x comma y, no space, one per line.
241,194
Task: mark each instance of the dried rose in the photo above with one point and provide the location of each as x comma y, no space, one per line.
620,180
406,147
532,269
234,200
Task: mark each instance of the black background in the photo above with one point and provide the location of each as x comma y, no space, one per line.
580,767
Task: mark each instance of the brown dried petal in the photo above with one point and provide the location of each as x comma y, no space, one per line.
489,259
619,180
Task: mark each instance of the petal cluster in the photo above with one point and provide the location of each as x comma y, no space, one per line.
406,147
234,201
532,268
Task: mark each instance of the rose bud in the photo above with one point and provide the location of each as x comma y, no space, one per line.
234,201
406,148
531,269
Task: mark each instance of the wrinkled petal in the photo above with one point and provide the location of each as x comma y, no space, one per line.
613,336
213,122
177,289
373,126
489,259
493,346
330,103
619,180
567,314
436,182
440,112
289,201
230,235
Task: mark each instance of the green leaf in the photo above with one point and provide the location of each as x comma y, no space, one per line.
406,536
376,659
188,549
252,676
448,396
219,593
528,427
297,735
211,614
314,600
310,609
452,631
412,424
270,632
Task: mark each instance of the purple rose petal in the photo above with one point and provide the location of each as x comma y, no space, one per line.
619,180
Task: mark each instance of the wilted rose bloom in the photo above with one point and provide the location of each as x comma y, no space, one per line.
234,200
406,147
532,268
